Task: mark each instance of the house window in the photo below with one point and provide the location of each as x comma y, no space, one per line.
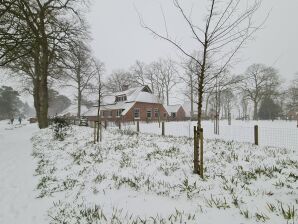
173,115
149,114
110,113
165,115
121,98
156,113
118,113
136,113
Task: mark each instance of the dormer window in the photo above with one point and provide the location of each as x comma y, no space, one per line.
121,98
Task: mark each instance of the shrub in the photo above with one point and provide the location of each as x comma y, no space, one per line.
60,126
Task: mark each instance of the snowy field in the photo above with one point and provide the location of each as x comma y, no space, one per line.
130,178
18,194
271,133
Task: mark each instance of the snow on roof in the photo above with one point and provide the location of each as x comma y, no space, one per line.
172,108
72,110
119,106
187,108
133,94
138,94
91,112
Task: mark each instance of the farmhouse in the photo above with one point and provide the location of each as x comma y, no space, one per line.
175,112
133,104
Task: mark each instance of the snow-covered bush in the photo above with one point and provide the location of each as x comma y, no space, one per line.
60,126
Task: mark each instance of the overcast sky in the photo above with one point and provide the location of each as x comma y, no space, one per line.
119,40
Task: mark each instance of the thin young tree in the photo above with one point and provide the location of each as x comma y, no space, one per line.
227,27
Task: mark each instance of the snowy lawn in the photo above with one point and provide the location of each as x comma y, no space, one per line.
130,178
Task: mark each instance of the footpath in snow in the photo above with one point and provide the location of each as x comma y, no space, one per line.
18,202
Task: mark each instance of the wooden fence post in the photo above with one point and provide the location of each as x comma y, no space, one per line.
94,131
119,125
138,126
196,154
256,132
163,128
201,153
105,124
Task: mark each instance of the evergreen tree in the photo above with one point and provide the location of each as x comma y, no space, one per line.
269,110
10,102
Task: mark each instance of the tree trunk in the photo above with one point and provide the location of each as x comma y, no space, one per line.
43,103
167,93
79,103
255,111
191,98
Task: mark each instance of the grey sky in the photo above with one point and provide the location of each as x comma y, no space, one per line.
119,40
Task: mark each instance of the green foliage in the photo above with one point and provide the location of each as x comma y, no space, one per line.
10,103
59,126
269,110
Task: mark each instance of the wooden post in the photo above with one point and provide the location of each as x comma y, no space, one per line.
138,126
256,135
100,133
201,153
94,131
229,118
196,154
119,125
106,124
163,128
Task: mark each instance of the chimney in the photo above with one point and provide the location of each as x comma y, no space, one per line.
124,87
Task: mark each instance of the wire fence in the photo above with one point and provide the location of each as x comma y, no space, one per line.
267,136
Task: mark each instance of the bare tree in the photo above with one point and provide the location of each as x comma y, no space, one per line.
258,82
292,94
34,35
79,71
119,80
138,71
169,76
227,28
99,88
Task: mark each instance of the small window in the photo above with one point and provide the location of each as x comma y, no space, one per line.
149,114
118,113
173,115
121,98
156,113
136,113
165,115
110,113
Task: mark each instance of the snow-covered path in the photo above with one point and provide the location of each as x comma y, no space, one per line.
18,202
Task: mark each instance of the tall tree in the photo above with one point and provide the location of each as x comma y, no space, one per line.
269,110
10,104
33,37
258,82
292,93
79,71
119,80
57,102
226,29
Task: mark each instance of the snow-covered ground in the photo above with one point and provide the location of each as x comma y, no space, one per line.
130,178
18,202
271,133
